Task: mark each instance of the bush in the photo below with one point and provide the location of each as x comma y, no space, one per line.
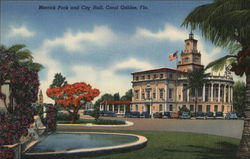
109,122
65,116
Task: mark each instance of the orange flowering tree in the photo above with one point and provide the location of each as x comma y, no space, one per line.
73,96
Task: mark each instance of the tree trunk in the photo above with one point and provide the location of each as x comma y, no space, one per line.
74,113
244,148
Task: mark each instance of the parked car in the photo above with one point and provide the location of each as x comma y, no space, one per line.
185,115
87,112
200,115
127,115
157,115
231,115
209,115
134,114
175,115
145,115
241,115
219,115
166,115
108,113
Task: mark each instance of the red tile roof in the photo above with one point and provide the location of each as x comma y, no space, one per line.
116,102
157,70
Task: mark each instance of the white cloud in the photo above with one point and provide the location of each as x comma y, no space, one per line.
100,36
106,79
168,33
133,63
22,31
174,34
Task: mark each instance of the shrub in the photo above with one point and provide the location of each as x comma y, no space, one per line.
109,122
65,116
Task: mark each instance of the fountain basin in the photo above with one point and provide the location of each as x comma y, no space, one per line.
77,144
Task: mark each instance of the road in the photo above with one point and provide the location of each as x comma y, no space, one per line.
228,128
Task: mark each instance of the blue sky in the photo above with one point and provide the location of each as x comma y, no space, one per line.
100,47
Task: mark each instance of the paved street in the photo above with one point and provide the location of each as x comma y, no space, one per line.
229,128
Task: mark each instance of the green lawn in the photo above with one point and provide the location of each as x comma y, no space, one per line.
175,145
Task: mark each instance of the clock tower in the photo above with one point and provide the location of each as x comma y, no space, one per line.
190,57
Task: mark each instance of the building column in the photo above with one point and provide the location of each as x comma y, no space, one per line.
166,92
113,108
156,92
225,91
219,94
212,92
124,108
140,94
231,94
182,97
188,95
203,92
107,107
119,109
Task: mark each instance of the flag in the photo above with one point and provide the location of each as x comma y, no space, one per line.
173,56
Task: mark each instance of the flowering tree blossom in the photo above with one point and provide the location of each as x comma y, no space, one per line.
73,96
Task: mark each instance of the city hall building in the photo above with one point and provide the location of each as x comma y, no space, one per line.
161,90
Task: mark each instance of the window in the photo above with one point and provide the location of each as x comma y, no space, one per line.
136,78
148,94
196,59
136,108
170,93
199,108
143,77
136,94
222,108
161,93
170,76
170,107
148,76
155,76
216,108
208,108
160,107
143,95
154,95
191,108
161,76
143,108
186,59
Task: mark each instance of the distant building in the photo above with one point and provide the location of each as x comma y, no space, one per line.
119,107
40,97
161,90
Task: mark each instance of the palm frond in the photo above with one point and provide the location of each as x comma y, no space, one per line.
220,63
16,48
222,21
24,55
234,48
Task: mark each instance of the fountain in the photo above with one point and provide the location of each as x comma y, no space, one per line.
71,144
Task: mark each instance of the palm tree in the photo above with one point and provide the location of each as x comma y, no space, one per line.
196,79
21,56
226,23
16,56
